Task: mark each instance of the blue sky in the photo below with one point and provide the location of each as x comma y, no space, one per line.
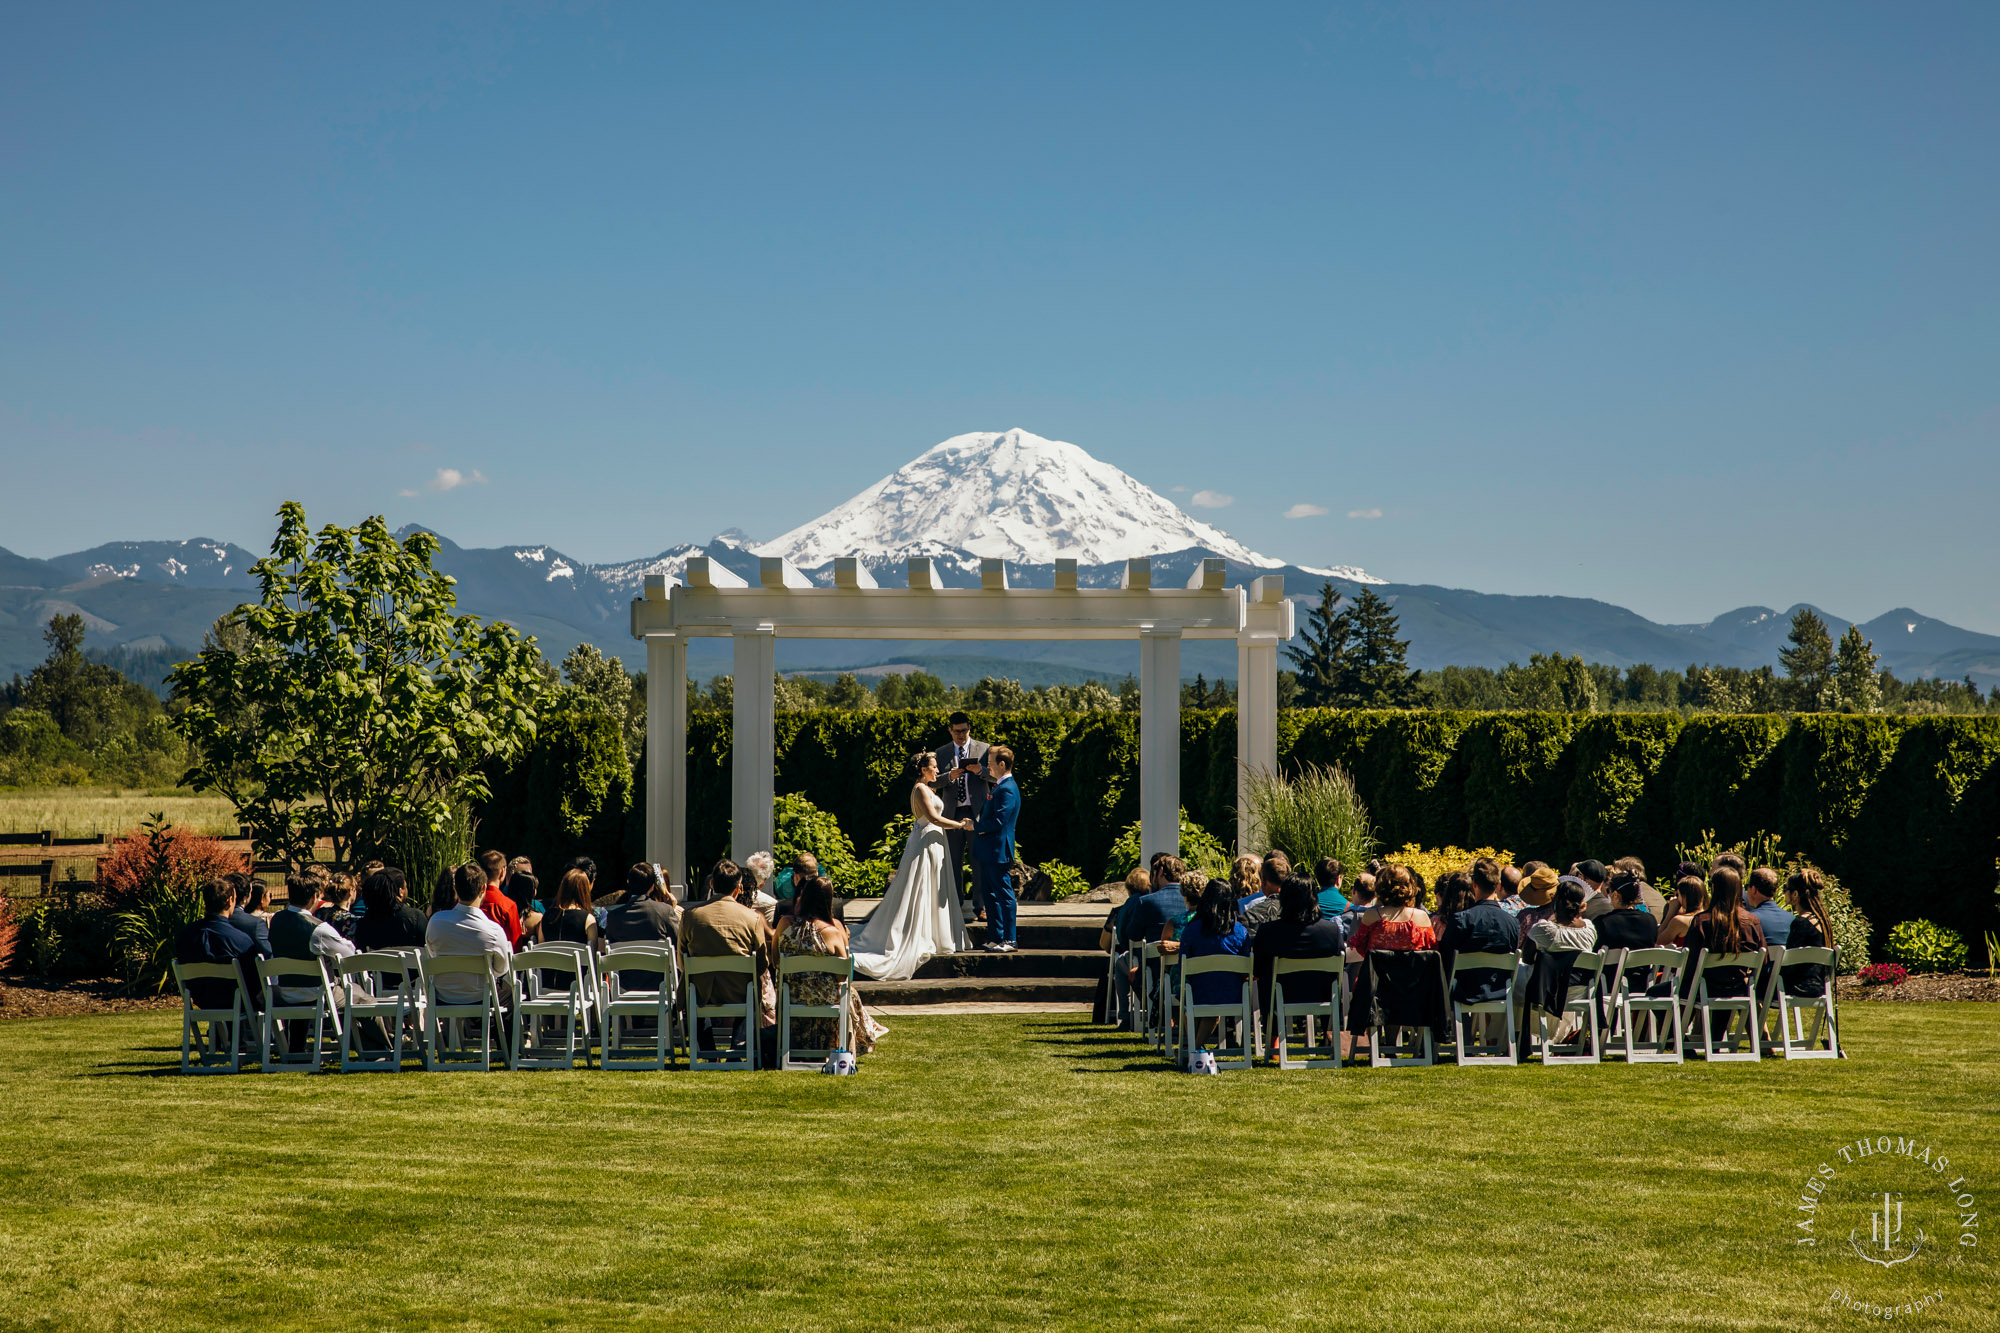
1685,307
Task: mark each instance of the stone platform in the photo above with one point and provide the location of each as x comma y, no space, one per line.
1059,963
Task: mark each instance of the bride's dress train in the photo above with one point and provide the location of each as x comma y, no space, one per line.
918,918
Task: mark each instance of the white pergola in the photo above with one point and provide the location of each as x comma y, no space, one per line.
714,602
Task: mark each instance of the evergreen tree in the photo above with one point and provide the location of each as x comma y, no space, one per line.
1321,660
849,694
1808,660
1373,671
1854,681
85,698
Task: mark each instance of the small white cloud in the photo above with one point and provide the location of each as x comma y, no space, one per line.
1306,511
450,479
1180,490
408,495
1211,499
1364,513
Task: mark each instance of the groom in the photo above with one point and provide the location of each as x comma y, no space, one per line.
993,849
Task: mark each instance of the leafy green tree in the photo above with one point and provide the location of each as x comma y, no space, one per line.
1373,671
923,690
849,694
1322,658
1551,684
889,692
998,696
1808,661
89,701
360,704
1854,681
606,680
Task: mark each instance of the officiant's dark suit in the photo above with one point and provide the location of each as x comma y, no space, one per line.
962,800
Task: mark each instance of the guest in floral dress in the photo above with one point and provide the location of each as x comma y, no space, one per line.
813,930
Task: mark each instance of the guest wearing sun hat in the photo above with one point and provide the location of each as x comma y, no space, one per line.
1538,892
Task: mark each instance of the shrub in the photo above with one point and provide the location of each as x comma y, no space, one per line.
1199,850
1924,946
1884,974
1318,813
1065,881
159,856
9,932
423,853
1851,927
1431,862
801,826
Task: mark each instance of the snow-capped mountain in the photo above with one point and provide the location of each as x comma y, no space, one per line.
1010,494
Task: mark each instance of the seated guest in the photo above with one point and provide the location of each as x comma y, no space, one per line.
256,927
297,933
1137,885
1760,892
761,869
1538,893
493,900
812,931
784,888
1301,930
1327,876
1395,925
1271,874
1263,909
1627,925
523,890
1149,917
258,902
1812,928
647,915
338,909
1510,890
1454,895
725,926
1724,928
1483,927
1213,929
1360,899
1596,884
1565,930
1243,875
573,921
1651,900
464,929
444,891
391,921
1689,901
214,940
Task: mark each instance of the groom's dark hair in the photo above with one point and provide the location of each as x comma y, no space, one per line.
1000,754
957,718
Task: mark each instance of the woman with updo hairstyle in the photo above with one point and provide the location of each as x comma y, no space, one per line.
1393,924
1805,892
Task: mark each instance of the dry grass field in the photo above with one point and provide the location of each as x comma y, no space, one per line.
81,812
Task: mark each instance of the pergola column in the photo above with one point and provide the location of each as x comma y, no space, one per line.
666,753
1159,743
1268,623
753,739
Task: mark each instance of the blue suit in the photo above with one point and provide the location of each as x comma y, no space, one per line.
993,850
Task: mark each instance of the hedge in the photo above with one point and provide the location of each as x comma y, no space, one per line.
1905,810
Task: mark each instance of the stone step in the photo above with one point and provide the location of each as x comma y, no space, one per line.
978,990
1045,933
1021,964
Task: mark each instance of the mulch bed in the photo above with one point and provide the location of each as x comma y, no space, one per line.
1924,986
67,997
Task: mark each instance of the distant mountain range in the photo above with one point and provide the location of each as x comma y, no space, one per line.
1010,495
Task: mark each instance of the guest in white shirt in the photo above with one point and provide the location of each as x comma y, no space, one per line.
297,933
463,929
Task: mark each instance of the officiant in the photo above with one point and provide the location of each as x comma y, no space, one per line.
962,785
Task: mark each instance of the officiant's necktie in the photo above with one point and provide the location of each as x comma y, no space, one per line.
964,792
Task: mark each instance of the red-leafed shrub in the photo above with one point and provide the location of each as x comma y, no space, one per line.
9,929
1884,974
161,855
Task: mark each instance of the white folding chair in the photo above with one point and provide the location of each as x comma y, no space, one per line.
1242,1009
239,1020
1703,1004
790,1010
1646,1028
1314,1054
1587,1046
622,1006
1466,1018
742,1018
1145,954
1795,1039
536,1003
362,978
303,974
444,1037
1419,1053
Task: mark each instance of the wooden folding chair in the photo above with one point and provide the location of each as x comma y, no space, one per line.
1467,1017
1703,1004
536,1002
1315,1054
1243,1009
1794,1039
620,1005
392,1007
275,972
1647,1027
790,1010
1587,1047
239,1020
743,1018
444,1038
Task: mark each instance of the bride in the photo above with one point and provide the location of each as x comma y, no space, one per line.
918,919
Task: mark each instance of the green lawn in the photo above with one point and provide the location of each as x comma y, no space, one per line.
982,1172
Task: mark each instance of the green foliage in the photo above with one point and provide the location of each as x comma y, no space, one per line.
351,698
1199,851
577,786
801,826
1352,657
1851,928
1320,655
1808,660
1925,946
422,852
1855,686
605,679
1065,881
1314,813
76,720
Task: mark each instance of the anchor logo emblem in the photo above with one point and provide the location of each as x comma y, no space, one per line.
1885,1232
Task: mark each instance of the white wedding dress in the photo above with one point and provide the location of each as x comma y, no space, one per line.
918,918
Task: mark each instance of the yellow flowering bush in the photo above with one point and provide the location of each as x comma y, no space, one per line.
1430,862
